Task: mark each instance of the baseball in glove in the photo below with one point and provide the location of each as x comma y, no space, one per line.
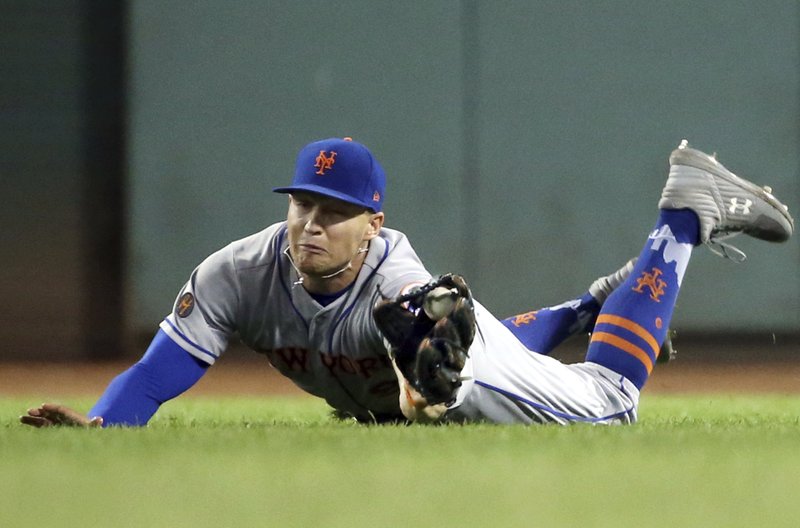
430,330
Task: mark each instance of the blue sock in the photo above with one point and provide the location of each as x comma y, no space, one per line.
633,321
543,330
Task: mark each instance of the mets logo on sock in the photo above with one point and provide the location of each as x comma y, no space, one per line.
523,319
323,162
653,284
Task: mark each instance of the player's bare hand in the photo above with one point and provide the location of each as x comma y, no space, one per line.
52,414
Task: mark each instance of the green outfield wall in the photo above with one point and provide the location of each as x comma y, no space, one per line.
526,143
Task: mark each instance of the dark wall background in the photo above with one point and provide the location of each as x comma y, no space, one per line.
525,142
62,115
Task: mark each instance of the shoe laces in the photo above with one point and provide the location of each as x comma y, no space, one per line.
717,246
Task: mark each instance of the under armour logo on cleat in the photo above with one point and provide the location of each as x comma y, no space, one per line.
743,208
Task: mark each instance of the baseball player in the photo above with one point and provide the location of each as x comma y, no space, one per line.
344,307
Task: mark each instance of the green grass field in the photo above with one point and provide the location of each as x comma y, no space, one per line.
706,460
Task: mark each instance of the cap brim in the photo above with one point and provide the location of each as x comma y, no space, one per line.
316,189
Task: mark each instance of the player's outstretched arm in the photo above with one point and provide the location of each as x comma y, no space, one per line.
133,397
51,414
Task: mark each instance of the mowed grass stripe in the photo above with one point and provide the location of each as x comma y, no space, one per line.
691,461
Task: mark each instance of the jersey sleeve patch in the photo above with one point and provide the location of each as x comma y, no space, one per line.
184,305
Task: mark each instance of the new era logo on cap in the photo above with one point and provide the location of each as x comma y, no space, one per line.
342,169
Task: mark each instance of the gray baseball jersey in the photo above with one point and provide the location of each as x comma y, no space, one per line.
336,352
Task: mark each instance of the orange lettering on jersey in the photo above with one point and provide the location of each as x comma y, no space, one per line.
367,365
294,359
523,319
651,281
323,162
329,361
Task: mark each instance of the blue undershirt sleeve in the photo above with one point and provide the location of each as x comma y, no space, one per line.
165,371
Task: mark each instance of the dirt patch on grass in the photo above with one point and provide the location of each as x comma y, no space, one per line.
256,377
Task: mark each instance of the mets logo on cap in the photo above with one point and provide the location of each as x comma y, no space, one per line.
323,162
342,169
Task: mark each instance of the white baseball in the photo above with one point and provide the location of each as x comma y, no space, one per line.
439,302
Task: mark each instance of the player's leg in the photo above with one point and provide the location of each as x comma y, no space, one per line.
543,330
515,386
701,202
505,383
634,319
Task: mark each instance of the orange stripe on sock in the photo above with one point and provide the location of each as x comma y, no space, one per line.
625,346
637,329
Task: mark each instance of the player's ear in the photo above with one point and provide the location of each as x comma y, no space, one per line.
374,226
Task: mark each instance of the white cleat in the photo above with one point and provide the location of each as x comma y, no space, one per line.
725,203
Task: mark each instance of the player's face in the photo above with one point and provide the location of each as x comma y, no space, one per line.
325,234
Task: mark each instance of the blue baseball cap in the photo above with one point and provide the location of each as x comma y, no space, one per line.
342,169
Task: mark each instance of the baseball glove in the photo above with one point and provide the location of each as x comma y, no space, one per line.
430,330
